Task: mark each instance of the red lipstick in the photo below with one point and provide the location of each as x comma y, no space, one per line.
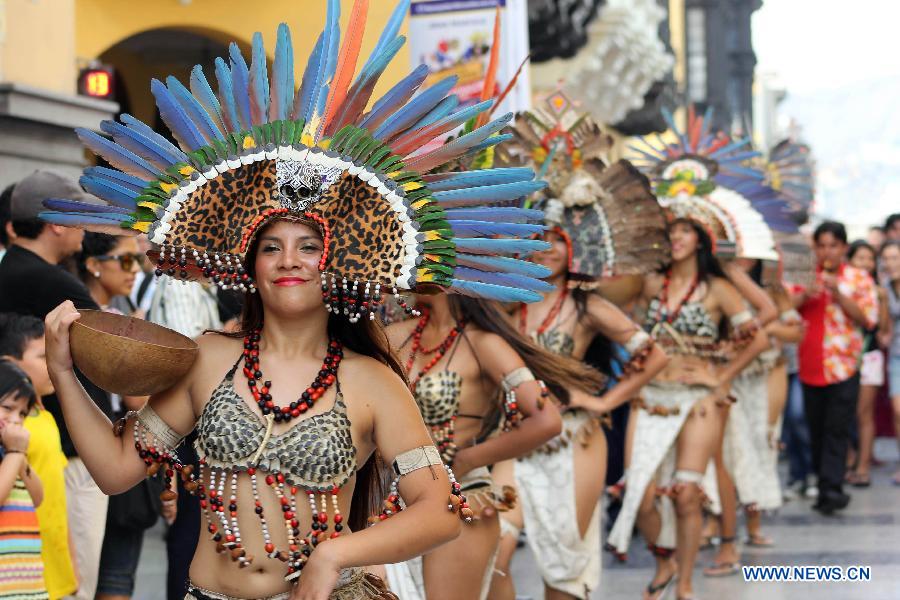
289,281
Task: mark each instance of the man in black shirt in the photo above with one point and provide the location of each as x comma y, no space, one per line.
33,283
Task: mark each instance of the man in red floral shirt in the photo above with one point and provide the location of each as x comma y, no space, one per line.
836,309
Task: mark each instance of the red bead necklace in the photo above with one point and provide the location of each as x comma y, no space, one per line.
662,313
324,379
548,320
439,351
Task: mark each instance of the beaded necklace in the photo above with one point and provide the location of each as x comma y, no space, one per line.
324,379
662,310
548,320
439,351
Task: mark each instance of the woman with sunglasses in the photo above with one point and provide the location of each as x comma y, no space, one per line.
108,265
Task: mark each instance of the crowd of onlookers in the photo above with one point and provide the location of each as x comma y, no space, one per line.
77,542
71,540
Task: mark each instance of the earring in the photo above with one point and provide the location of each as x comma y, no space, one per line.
97,274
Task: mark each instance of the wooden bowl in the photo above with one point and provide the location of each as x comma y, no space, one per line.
129,356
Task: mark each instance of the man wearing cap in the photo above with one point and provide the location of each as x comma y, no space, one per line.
33,283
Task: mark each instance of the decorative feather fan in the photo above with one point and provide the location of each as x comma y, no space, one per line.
706,176
607,214
256,149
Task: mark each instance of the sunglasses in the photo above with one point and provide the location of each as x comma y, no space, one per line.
126,261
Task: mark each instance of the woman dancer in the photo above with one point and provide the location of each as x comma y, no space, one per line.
468,367
251,200
862,256
602,221
686,309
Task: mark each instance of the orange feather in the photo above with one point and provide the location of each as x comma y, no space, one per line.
346,66
509,87
490,77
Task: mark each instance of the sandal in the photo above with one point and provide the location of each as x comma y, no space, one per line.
860,481
758,540
722,569
660,588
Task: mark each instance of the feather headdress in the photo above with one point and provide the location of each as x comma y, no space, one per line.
256,149
706,177
608,216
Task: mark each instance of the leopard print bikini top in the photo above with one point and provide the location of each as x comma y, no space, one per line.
692,332
315,454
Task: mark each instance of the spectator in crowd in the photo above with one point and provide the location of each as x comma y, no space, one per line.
871,371
892,227
21,569
890,260
836,309
108,265
31,282
22,343
876,236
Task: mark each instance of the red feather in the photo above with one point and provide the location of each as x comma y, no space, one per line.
346,65
509,87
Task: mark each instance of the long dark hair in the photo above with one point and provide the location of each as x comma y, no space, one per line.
707,264
366,338
560,373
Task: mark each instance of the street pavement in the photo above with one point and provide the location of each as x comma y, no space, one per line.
867,533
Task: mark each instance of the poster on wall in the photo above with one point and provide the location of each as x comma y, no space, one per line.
454,37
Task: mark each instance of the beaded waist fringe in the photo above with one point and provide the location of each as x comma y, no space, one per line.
354,584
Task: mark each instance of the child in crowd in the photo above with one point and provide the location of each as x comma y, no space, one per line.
21,568
22,342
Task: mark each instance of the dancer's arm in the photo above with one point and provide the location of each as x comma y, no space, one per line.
424,524
766,312
541,420
607,320
112,461
731,304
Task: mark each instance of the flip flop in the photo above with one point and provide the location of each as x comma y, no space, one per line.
659,588
722,569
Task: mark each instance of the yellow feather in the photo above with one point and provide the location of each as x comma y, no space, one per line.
187,170
148,204
430,236
168,187
249,142
420,203
410,186
142,226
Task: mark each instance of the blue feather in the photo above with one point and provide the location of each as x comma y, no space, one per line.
492,292
450,181
111,223
140,145
415,109
194,110
488,194
303,104
413,135
331,47
491,141
444,108
259,82
174,116
282,76
395,97
390,31
729,148
70,206
205,96
468,228
240,83
119,157
499,246
124,179
504,279
147,132
226,97
503,264
461,145
111,192
507,214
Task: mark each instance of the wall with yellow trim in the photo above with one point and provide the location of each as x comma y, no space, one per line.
37,43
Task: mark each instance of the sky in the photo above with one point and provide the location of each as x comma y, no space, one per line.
839,62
